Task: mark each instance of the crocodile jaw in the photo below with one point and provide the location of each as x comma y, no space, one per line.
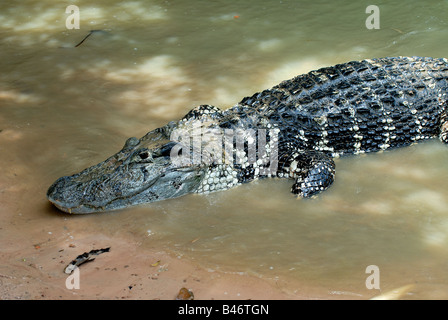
68,195
142,172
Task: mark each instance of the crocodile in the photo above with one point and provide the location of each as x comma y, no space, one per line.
293,130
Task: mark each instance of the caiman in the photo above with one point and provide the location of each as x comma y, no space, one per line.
293,130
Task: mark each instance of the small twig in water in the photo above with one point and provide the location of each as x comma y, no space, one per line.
83,258
90,33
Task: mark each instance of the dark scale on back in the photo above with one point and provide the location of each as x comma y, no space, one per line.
351,108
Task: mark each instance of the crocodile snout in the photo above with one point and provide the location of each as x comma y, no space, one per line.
62,193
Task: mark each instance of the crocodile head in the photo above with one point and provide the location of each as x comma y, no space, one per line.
143,171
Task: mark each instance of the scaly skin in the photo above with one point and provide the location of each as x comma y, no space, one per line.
350,108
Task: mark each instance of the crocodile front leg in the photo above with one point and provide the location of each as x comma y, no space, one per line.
313,172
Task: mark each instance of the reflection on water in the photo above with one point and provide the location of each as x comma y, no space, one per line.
65,108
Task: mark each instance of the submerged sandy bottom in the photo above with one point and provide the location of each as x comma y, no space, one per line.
33,268
256,252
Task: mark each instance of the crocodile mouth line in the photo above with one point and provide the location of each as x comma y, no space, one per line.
92,208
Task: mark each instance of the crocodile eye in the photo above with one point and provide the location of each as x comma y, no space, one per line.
144,155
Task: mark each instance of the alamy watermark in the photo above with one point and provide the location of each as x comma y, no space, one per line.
373,280
202,145
73,20
373,20
73,281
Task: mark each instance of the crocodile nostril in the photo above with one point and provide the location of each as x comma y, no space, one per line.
54,189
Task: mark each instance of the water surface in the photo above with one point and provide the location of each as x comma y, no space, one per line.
63,108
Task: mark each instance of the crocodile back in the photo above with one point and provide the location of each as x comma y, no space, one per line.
355,107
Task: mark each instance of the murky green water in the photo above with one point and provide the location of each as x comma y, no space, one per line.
64,108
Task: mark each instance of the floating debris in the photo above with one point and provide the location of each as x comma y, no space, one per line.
397,30
185,294
88,35
85,257
155,264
